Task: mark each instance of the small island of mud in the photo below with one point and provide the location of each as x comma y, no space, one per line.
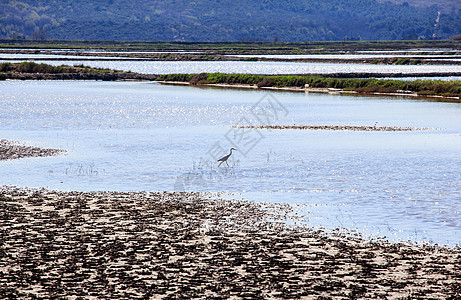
333,127
13,150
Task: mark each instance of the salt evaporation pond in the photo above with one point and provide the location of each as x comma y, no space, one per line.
130,136
171,67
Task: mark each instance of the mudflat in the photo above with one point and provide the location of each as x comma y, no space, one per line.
14,150
197,245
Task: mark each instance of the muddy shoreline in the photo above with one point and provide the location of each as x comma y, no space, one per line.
193,245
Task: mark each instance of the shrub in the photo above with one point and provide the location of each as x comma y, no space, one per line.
5,67
266,82
2,76
175,77
403,61
27,67
199,78
82,66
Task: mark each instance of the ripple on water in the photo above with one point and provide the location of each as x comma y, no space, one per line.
145,136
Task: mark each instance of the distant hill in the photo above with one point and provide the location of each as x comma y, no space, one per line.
225,20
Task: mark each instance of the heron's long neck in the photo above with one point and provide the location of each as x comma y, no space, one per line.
230,152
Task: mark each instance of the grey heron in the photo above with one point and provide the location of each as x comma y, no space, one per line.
225,158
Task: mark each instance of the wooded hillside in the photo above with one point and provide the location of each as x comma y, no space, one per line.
224,20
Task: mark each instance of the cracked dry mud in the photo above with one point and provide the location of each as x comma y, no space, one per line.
193,245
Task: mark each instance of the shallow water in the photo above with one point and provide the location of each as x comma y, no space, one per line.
129,136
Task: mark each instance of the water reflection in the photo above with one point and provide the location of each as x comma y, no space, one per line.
145,136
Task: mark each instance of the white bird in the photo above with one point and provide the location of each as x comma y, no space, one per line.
225,158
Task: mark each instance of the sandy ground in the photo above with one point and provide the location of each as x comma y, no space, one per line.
13,150
193,245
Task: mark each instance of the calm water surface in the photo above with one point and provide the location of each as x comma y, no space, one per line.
129,136
171,67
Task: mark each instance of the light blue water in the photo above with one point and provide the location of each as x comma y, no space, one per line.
129,136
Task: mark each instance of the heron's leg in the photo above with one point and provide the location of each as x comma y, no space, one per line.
220,164
227,163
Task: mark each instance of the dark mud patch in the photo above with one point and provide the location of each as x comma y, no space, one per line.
189,245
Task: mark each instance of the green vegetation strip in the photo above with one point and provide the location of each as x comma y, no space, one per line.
34,71
419,87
